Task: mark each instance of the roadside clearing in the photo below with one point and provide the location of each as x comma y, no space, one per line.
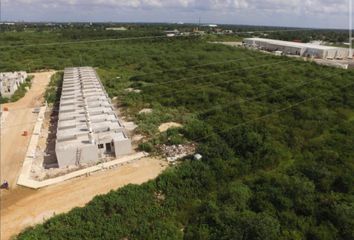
165,126
29,207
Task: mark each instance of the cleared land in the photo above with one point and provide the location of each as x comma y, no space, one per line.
25,208
20,118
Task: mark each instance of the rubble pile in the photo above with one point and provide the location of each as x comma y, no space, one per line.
175,152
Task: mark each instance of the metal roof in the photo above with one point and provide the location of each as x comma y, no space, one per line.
293,44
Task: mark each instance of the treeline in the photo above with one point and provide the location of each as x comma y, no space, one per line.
330,36
276,137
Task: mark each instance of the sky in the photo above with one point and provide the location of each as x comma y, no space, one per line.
292,13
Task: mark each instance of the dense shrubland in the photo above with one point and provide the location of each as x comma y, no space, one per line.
276,136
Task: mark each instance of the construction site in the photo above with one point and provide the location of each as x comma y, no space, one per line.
88,128
35,138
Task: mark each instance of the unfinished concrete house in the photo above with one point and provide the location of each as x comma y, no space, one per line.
10,81
88,128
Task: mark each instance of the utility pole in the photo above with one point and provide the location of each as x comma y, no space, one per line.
350,29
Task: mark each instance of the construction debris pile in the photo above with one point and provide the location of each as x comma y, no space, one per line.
176,152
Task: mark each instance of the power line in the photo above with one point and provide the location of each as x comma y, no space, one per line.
194,66
212,84
137,38
214,74
264,116
303,83
86,41
247,100
220,107
19,109
197,86
209,110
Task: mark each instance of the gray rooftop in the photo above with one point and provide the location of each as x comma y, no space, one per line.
86,113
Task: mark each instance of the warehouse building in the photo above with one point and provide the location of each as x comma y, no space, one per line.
88,129
296,48
10,82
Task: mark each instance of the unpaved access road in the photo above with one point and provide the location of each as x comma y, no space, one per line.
13,145
29,207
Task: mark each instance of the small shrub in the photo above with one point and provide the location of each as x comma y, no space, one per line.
146,147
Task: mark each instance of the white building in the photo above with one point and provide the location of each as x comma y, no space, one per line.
300,49
88,129
10,81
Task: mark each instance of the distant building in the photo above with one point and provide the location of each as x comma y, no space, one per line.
211,25
10,81
172,33
197,32
116,29
296,48
228,32
7,23
88,128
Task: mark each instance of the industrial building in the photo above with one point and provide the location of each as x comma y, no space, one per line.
296,48
10,81
88,128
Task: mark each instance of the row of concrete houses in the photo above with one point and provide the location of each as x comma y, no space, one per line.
88,129
10,81
299,49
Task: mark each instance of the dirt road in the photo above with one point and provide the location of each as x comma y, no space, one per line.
20,118
30,207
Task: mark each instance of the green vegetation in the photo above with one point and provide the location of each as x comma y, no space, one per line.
53,91
276,137
22,89
4,100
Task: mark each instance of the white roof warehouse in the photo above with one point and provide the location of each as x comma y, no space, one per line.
300,49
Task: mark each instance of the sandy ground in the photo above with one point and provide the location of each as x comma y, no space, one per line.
20,119
165,126
30,207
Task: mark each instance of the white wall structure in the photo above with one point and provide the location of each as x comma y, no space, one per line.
88,129
10,81
295,48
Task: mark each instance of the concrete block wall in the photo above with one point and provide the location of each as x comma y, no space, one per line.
87,121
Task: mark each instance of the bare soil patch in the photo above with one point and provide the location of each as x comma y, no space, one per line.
145,111
29,207
165,126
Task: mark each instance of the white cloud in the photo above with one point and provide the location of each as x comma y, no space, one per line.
266,11
308,6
